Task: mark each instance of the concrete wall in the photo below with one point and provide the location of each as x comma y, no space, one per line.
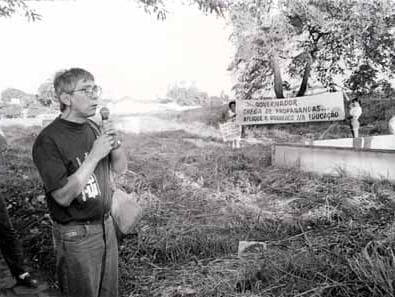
386,142
377,164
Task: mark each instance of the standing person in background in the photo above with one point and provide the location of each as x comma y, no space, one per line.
391,125
229,117
11,249
232,110
74,163
355,111
230,113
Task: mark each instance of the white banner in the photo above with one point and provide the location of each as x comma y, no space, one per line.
315,108
230,131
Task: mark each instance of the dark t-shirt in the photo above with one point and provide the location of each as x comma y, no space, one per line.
58,152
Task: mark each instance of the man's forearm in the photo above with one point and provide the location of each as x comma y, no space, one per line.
75,182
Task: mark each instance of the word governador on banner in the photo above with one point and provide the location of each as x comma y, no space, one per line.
322,107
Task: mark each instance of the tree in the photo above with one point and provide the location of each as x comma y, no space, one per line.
320,38
46,93
187,95
11,93
261,37
23,99
158,7
9,8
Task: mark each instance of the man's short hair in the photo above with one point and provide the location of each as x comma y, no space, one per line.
231,103
65,81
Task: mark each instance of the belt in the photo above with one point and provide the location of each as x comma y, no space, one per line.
87,222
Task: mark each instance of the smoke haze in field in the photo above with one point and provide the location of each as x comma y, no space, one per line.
130,52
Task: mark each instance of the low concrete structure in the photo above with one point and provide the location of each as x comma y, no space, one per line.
385,142
372,156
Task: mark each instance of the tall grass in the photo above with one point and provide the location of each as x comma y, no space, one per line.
324,235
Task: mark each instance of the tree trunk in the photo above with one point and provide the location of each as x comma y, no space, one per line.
306,75
278,82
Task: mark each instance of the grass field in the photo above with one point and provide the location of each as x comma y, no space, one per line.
324,235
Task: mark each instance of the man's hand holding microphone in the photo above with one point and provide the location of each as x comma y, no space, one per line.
108,128
108,141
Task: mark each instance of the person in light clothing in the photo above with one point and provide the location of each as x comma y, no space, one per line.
391,125
227,117
355,111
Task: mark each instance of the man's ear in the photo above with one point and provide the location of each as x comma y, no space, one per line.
65,99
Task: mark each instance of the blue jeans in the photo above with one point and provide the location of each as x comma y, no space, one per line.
87,259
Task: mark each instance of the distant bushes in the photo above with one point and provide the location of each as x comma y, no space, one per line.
190,95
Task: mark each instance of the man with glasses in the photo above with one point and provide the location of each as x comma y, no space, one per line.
74,162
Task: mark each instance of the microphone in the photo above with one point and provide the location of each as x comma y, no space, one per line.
105,113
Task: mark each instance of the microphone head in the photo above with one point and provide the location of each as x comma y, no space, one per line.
105,113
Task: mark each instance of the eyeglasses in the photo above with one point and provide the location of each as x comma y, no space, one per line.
89,91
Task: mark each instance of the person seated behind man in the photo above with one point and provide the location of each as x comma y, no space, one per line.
11,248
355,111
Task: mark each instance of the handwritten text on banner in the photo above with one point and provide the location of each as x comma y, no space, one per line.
230,131
315,108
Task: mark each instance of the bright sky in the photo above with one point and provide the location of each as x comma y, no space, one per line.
130,52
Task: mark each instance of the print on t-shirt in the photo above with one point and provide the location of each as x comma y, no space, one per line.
91,189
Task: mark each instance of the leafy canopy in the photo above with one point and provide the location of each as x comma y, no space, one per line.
9,8
311,38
